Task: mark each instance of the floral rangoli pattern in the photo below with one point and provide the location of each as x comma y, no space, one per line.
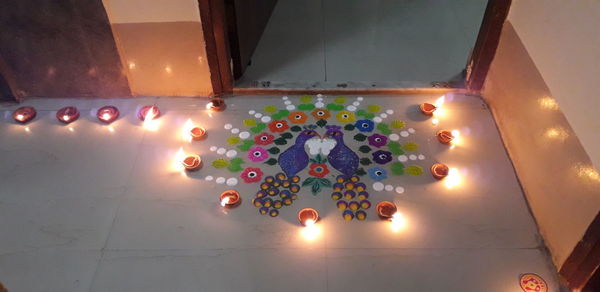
321,144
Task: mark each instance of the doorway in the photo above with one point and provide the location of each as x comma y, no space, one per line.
351,44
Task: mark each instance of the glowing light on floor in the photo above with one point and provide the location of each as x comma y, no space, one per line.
453,179
27,130
71,129
398,222
310,231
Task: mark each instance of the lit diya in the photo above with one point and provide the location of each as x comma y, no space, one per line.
386,210
427,108
24,114
216,104
149,112
308,216
439,170
192,162
67,114
230,199
198,133
445,136
107,114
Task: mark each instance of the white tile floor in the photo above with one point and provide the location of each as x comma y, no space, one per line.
326,43
94,210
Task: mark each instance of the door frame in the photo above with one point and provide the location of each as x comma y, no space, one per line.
9,81
214,25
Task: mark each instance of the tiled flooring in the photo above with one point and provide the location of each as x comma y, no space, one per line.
93,210
365,44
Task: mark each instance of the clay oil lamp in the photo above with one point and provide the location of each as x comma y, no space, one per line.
148,113
192,132
67,115
439,170
197,133
427,108
389,212
216,104
386,210
445,136
230,199
24,114
107,114
192,162
308,216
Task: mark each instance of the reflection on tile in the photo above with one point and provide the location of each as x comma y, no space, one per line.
213,270
65,223
49,270
434,270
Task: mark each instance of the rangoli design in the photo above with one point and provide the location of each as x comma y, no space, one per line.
320,144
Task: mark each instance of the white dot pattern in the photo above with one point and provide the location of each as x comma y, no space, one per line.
244,135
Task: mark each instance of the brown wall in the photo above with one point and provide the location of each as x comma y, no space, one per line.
59,48
561,186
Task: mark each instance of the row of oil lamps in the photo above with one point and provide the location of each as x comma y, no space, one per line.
106,114
439,170
308,216
109,114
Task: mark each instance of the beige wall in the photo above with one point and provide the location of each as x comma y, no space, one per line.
563,39
552,165
162,46
139,11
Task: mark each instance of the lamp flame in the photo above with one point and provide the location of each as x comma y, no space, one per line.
106,116
149,122
440,101
186,134
66,118
457,139
440,110
225,201
178,164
